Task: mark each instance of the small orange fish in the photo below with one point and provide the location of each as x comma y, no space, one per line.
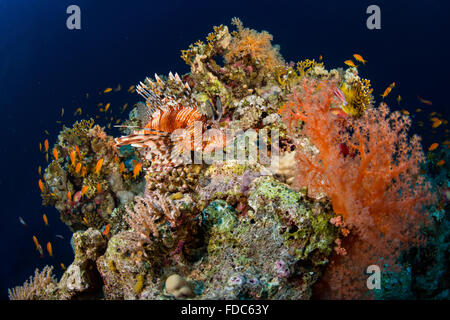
55,154
434,146
405,112
98,167
72,157
137,169
78,151
40,146
446,142
418,110
99,187
62,112
107,90
36,243
78,167
40,170
427,102
106,231
441,163
49,249
124,107
41,185
46,145
44,217
350,63
399,99
83,171
69,195
85,221
131,88
84,190
63,266
359,58
46,157
122,167
107,106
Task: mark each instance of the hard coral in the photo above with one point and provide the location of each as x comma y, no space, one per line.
40,287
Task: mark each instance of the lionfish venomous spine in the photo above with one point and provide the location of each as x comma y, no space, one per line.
163,114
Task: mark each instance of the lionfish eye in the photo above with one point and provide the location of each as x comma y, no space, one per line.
208,127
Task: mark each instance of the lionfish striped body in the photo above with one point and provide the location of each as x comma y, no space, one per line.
163,115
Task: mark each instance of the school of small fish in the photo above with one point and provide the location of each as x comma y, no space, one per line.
76,161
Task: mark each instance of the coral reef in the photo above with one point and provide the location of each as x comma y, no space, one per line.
87,181
348,191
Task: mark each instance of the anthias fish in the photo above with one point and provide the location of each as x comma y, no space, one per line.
98,166
49,249
359,58
22,221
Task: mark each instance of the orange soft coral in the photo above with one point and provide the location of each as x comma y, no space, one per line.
375,184
255,45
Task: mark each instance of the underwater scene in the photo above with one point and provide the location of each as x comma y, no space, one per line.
260,150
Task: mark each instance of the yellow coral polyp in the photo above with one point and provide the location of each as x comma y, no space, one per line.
358,97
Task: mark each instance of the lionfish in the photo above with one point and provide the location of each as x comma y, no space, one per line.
173,123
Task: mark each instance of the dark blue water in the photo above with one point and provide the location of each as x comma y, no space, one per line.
44,66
